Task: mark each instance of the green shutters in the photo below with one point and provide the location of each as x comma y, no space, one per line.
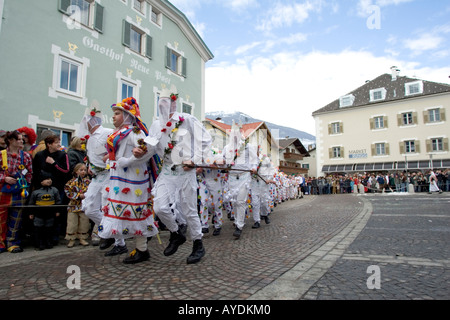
63,5
168,57
126,41
98,21
148,46
184,67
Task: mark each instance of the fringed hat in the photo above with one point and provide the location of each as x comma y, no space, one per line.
131,106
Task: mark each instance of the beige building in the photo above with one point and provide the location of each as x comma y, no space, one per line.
390,123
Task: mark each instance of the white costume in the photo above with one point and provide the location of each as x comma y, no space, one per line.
177,138
241,156
127,213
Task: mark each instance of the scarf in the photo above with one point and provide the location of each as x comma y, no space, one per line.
112,143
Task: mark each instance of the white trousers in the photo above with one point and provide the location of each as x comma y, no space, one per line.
175,194
96,197
238,195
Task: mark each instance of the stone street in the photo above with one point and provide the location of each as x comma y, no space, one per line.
315,248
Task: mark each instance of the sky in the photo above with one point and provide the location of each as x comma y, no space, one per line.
279,61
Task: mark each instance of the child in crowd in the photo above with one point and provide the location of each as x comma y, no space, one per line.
77,222
44,218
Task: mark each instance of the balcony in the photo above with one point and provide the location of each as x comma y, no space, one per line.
292,156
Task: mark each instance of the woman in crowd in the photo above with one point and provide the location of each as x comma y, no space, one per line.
15,177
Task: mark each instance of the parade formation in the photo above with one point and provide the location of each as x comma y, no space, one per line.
136,181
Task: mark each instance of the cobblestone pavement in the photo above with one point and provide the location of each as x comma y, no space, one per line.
315,248
408,239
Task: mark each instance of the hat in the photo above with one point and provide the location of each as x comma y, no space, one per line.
45,175
2,133
131,106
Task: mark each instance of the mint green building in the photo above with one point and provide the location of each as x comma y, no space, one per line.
61,58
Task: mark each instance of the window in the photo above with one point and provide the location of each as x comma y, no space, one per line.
410,146
127,90
187,108
69,76
176,62
437,144
86,12
336,152
380,149
156,17
64,136
335,128
137,40
412,88
434,115
377,94
138,5
346,101
379,122
407,118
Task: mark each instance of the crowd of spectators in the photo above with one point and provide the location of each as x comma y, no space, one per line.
375,182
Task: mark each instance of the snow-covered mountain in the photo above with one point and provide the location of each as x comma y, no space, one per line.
306,138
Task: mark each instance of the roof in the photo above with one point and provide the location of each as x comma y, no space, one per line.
284,143
395,90
247,129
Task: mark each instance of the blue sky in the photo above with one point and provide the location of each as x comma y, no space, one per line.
281,60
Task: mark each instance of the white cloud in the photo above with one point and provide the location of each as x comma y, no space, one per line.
284,15
238,5
364,7
286,88
423,43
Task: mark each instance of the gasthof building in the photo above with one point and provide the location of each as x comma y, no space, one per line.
60,58
392,123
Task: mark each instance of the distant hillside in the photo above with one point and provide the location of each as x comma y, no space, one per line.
306,138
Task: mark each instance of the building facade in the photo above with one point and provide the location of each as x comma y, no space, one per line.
292,152
60,58
256,133
392,123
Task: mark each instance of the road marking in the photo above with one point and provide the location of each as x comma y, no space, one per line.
398,259
293,284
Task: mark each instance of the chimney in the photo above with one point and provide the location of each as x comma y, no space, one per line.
395,72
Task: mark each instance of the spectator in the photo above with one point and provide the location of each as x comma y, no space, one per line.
29,138
78,224
15,177
41,145
44,218
76,152
56,162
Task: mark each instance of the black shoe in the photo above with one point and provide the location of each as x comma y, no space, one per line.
205,230
256,225
217,231
116,251
198,251
137,256
237,233
106,243
266,219
176,240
